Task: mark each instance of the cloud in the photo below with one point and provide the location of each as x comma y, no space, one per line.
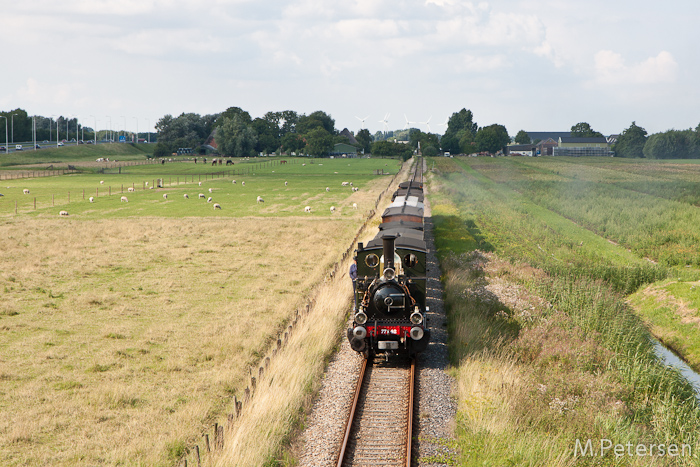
611,69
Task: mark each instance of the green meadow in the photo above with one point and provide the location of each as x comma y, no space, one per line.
565,355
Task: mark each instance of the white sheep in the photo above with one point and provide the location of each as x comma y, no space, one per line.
63,213
91,199
186,196
355,188
332,209
243,183
200,183
307,209
350,183
354,205
146,183
131,189
217,206
211,191
285,183
201,195
165,196
328,189
209,200
234,182
102,182
344,184
124,200
303,165
25,191
260,200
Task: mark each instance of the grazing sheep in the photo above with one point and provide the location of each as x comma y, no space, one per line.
243,183
303,165
25,191
328,189
234,182
124,200
102,182
260,200
344,184
209,200
285,183
131,189
355,188
307,209
186,196
201,195
165,196
350,183
332,209
146,183
200,183
354,205
63,213
217,206
211,191
91,199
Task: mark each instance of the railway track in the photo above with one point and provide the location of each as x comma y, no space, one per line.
379,428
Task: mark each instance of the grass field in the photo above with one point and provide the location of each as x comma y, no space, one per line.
77,155
563,356
128,327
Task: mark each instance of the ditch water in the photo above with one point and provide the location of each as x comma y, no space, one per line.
671,359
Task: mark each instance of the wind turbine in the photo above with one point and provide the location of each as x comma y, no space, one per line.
427,123
446,121
385,121
407,122
363,121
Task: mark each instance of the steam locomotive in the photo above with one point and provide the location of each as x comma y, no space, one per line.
389,314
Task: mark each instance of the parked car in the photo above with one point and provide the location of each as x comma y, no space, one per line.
60,144
3,148
38,147
18,147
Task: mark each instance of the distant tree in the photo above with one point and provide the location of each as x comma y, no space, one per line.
268,138
584,130
315,120
492,138
233,112
292,142
460,133
390,149
364,139
235,138
522,137
319,142
672,144
631,142
430,151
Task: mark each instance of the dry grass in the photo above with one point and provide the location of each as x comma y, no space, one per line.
123,339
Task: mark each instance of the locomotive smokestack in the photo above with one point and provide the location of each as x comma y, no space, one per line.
388,242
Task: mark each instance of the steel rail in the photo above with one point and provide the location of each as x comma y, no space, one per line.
351,417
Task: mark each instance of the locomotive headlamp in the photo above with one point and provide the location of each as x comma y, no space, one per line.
360,318
360,332
416,333
416,318
389,274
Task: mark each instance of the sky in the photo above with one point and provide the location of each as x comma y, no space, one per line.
530,65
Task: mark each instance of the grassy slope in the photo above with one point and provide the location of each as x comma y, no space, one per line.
545,369
75,154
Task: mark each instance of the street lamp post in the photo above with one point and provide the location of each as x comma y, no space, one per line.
7,143
13,127
137,129
34,130
111,136
95,129
122,116
148,126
